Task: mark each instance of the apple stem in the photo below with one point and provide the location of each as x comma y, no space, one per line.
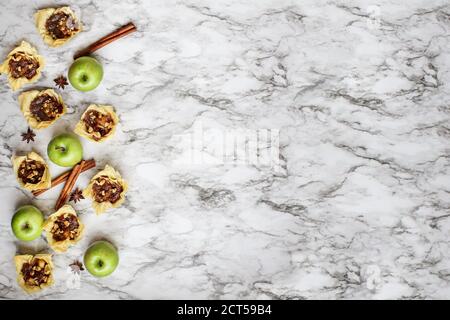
60,148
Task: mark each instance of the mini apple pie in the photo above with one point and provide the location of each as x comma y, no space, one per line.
32,172
107,190
23,66
41,108
97,123
57,25
34,273
63,229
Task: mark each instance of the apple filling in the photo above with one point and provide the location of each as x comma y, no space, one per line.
22,66
45,108
31,171
61,25
105,190
41,108
97,122
65,227
36,272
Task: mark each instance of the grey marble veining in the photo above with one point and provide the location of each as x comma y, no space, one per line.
358,205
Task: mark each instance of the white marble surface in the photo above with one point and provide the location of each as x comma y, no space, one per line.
359,207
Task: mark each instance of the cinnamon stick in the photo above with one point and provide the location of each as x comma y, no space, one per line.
125,28
69,185
89,164
113,36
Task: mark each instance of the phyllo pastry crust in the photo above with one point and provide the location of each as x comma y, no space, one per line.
97,123
41,108
63,229
57,25
32,171
106,189
23,65
34,273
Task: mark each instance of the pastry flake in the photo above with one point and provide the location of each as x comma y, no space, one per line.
63,229
23,65
34,273
32,172
41,108
98,123
106,189
57,25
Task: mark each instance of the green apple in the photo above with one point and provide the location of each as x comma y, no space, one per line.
65,150
27,223
85,74
101,258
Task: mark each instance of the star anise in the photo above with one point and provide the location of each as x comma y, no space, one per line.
76,267
61,82
28,136
77,195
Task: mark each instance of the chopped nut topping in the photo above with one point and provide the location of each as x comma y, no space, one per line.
105,190
61,25
65,227
45,107
36,272
99,123
31,171
22,66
